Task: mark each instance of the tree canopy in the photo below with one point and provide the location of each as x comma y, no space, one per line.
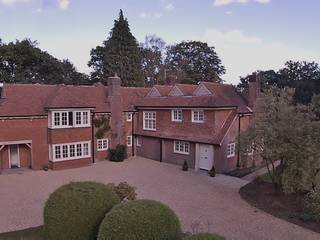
303,76
119,54
23,62
288,133
194,61
153,50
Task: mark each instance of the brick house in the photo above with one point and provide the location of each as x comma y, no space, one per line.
55,125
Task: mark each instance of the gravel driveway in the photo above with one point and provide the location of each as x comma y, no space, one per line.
202,203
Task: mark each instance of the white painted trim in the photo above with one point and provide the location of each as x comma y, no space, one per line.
175,88
51,122
16,142
129,119
211,148
9,154
101,140
172,115
178,151
233,154
197,121
144,126
53,159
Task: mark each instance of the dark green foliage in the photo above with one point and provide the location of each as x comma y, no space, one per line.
124,191
205,236
75,211
185,166
153,50
304,77
194,61
140,219
102,125
120,54
312,202
118,154
23,62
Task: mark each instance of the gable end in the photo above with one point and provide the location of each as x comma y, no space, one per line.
202,90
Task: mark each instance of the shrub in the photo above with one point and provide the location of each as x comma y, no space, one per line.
312,202
124,191
205,236
75,211
140,219
118,154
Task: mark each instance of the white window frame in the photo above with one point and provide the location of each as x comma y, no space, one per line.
60,118
175,114
195,113
231,150
138,141
129,116
61,152
129,141
181,147
149,119
102,144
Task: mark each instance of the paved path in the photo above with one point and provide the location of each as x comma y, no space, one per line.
201,202
261,171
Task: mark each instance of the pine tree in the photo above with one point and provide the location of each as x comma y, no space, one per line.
119,54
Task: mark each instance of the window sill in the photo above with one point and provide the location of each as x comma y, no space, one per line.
182,153
149,129
101,150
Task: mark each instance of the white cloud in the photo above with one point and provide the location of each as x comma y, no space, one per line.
242,54
229,12
218,3
145,15
169,7
64,4
11,2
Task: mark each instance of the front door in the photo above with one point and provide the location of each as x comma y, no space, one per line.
205,156
14,156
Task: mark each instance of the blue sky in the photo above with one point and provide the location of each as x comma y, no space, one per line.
248,34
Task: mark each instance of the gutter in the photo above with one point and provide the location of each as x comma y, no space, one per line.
239,130
133,137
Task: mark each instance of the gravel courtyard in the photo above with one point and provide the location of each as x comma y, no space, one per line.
201,202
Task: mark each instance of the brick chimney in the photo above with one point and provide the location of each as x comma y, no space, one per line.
254,88
115,100
2,92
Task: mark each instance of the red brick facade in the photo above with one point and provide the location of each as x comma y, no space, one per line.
29,140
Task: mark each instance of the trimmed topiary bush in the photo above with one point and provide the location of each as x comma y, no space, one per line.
140,219
75,211
124,191
205,236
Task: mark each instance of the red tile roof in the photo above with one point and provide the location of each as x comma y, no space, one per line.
35,99
223,95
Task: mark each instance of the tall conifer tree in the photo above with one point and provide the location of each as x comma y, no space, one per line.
120,54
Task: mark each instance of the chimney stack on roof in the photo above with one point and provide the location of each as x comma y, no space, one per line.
254,88
114,85
115,100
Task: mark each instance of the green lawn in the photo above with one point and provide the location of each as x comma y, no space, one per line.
28,234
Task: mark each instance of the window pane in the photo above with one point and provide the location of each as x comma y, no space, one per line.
57,152
56,119
78,118
65,151
64,118
85,118
85,149
72,152
79,150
